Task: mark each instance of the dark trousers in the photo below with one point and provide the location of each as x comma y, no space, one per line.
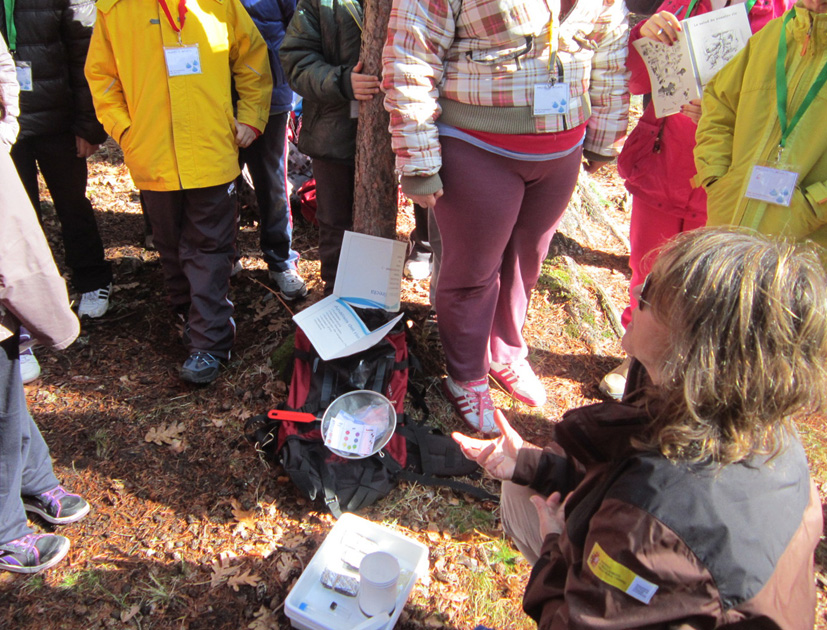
266,159
65,176
334,211
194,232
25,464
420,241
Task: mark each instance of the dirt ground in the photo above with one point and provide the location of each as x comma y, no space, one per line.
189,529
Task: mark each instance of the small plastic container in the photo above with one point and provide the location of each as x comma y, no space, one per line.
311,606
378,575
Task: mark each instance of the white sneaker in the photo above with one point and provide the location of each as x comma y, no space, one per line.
290,283
614,383
418,267
519,380
95,303
469,397
29,367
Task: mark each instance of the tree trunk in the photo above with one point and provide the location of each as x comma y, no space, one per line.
375,195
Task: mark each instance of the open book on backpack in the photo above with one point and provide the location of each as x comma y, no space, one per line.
678,73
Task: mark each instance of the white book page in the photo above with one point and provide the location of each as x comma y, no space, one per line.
716,37
336,331
370,271
670,74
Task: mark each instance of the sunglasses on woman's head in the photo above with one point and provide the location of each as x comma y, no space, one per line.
641,294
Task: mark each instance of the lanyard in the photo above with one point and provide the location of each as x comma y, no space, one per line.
692,6
11,29
552,55
781,88
348,4
182,15
749,3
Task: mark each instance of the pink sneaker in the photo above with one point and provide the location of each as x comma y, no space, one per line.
519,380
472,399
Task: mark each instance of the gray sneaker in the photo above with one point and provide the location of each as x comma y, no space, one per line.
200,368
57,506
291,285
33,552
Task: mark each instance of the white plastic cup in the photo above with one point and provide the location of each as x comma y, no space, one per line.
378,575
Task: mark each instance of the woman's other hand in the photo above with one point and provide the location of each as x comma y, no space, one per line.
365,86
662,27
551,513
498,456
692,109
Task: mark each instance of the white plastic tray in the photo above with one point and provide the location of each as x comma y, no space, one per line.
311,606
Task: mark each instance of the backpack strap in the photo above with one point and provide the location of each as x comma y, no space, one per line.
425,439
379,377
459,486
330,498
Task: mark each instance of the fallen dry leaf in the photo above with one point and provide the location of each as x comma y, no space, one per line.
126,615
285,565
246,517
164,434
263,619
222,571
243,579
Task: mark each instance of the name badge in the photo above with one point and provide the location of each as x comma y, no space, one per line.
24,75
773,185
551,99
182,60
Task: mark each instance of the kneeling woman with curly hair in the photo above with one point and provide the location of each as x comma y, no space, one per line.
688,504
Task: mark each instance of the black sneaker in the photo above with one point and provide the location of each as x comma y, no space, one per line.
57,506
33,553
200,368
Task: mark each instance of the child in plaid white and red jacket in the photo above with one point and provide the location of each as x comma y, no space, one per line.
492,104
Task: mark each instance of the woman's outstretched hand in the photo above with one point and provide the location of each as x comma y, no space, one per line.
498,456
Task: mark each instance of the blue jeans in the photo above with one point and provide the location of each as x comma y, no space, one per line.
266,159
25,464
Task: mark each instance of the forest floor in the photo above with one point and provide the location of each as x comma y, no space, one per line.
192,530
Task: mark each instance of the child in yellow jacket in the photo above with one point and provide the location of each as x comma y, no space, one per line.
160,74
761,149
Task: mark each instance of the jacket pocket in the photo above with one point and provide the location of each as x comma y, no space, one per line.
796,221
639,147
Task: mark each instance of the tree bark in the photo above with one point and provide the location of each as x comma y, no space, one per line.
375,197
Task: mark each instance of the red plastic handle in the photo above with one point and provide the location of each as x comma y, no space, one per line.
292,416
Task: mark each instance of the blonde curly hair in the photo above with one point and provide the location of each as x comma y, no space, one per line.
747,318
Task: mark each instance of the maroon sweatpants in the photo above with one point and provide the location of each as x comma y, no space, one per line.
496,219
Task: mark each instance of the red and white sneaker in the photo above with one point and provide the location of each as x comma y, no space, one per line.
472,399
519,380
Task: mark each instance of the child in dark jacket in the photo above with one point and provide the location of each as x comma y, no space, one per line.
320,55
266,157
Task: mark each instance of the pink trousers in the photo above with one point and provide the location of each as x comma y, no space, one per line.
650,228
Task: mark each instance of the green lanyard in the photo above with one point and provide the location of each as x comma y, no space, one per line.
11,30
692,6
781,88
749,3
